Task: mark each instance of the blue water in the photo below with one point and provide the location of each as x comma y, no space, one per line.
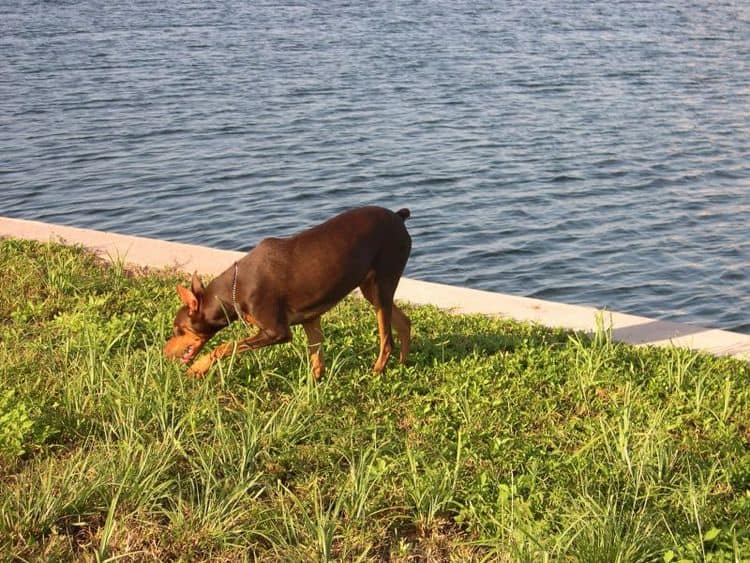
585,152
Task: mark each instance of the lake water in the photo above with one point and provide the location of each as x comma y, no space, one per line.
585,152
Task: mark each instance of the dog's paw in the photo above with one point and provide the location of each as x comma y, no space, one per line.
200,366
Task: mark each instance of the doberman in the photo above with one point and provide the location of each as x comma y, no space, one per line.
294,280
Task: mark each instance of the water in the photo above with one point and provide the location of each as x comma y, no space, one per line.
593,153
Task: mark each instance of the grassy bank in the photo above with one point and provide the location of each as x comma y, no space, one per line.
500,441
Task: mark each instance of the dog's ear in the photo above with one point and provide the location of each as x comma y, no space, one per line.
197,286
189,298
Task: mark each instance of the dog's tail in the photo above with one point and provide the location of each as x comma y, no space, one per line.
404,213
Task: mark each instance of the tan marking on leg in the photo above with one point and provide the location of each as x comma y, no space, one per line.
386,339
403,328
200,366
315,346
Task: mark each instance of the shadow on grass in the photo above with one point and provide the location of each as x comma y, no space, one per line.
457,346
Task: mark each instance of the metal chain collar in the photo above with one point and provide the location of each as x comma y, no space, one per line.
234,297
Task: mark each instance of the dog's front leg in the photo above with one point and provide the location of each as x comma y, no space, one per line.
259,340
201,365
315,346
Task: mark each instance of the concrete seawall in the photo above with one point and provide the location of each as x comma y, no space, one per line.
632,329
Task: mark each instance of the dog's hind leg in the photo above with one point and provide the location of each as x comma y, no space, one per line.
402,323
381,297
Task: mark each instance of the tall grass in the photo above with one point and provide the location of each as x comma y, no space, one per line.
500,441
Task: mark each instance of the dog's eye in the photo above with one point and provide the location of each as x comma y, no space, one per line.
177,331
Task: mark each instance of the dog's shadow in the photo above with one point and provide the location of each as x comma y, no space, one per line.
445,338
454,347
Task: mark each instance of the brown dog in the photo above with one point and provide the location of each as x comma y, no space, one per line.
287,281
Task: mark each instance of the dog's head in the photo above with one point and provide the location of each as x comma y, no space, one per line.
190,331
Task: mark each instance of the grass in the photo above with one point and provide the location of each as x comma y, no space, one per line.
501,441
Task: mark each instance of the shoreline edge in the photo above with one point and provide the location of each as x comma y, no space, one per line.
630,329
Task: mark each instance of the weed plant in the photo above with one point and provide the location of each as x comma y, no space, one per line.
500,441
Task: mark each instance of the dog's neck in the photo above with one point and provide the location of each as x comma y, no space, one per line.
218,309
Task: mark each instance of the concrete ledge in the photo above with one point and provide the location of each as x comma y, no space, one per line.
139,251
632,329
625,328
